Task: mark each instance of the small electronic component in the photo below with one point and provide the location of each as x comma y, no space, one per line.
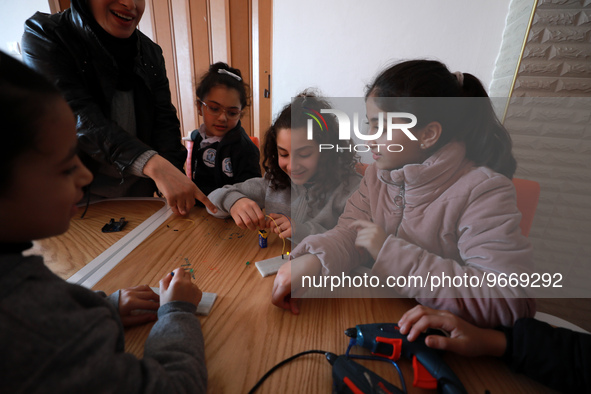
113,226
263,238
270,266
185,267
205,305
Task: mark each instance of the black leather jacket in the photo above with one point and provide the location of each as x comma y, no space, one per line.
64,48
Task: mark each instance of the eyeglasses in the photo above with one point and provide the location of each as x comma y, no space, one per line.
216,110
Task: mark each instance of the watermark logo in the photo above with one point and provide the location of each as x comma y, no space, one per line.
392,124
318,118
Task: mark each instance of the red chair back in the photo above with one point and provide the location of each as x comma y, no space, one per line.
361,167
528,194
255,140
189,162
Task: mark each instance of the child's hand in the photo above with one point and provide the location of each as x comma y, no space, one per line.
179,288
280,225
281,295
134,298
284,296
247,214
465,339
369,236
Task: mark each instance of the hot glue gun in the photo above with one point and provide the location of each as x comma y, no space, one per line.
430,371
350,377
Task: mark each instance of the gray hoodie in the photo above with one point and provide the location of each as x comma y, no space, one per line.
306,217
63,338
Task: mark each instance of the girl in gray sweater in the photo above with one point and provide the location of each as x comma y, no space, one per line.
59,337
304,191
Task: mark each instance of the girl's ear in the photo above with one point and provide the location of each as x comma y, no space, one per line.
199,107
429,135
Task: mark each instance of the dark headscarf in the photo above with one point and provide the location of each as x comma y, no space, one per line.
123,50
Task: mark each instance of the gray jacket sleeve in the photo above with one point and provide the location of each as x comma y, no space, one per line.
62,338
224,198
112,299
176,344
168,343
173,361
318,221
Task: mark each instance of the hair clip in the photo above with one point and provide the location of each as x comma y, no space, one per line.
223,71
460,76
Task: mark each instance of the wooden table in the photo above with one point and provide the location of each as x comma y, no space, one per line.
245,335
69,252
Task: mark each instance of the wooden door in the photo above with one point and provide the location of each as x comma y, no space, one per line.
58,5
262,66
194,34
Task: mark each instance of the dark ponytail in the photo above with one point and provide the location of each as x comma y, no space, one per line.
228,76
487,141
427,89
25,97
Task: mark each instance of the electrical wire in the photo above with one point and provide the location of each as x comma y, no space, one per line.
287,217
87,191
352,342
279,228
171,224
265,376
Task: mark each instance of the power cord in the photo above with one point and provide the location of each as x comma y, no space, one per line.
265,376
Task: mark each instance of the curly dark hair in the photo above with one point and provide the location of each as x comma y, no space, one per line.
334,167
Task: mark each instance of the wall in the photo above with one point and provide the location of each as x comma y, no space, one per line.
550,123
339,45
516,29
14,14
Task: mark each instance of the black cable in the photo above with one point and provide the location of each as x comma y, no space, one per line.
87,202
265,376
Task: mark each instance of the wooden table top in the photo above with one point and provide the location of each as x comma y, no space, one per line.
69,252
245,335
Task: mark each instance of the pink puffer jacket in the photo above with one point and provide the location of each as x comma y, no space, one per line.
444,217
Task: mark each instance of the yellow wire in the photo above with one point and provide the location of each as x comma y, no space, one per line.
171,224
283,249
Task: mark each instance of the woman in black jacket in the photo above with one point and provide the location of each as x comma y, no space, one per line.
114,78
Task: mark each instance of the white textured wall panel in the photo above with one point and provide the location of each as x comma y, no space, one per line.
549,119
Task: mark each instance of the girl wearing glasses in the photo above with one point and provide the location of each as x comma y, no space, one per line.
223,154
